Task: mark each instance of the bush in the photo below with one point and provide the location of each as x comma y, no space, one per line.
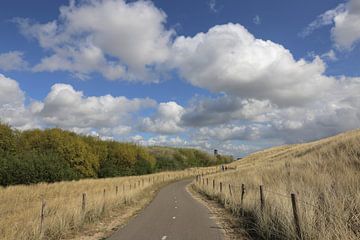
54,155
34,168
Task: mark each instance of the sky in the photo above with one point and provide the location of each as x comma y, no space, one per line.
237,76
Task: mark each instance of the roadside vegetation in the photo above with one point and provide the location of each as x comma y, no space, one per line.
52,155
324,175
63,210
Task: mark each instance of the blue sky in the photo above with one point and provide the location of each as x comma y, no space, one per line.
234,75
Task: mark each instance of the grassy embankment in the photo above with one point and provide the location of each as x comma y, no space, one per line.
324,175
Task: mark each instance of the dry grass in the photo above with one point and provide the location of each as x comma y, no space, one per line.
20,206
325,175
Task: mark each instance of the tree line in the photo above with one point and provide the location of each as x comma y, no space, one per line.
52,155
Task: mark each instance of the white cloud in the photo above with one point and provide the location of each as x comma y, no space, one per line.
64,107
232,132
112,37
10,92
163,140
232,119
257,20
229,59
324,19
346,31
12,109
12,60
345,19
67,108
213,6
165,121
330,55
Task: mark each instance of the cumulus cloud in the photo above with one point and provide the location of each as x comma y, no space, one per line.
67,108
12,109
224,109
165,121
230,59
345,19
346,31
12,60
233,132
262,93
112,37
336,111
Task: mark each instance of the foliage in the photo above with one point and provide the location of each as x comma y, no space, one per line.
54,154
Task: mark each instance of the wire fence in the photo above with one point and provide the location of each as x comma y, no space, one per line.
231,189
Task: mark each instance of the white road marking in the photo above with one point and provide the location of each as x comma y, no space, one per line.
175,207
164,237
174,217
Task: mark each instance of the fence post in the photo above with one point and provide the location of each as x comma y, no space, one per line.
242,199
42,215
83,203
262,201
296,216
213,184
230,190
220,187
103,210
207,182
116,190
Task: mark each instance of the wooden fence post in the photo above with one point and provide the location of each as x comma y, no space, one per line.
296,217
83,203
116,190
213,184
104,192
42,215
262,201
207,182
242,199
220,187
230,190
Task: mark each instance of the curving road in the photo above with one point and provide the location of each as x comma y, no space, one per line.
172,215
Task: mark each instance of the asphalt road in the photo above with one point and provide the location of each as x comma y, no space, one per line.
172,215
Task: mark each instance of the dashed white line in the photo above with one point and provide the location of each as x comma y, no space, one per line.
174,217
175,207
164,237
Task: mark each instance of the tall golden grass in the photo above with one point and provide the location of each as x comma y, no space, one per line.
324,175
20,206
